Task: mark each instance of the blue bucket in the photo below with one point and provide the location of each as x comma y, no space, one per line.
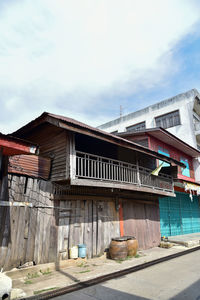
82,250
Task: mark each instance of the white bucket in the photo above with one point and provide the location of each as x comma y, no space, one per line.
73,252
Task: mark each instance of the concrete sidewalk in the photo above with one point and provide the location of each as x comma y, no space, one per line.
188,240
47,277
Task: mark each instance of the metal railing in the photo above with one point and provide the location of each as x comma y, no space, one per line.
97,167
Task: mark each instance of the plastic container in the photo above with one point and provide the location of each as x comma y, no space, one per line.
82,250
73,252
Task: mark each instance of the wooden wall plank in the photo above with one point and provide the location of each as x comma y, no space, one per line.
142,221
94,228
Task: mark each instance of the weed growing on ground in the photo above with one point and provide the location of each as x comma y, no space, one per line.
44,290
81,265
85,271
47,272
28,282
137,256
128,257
32,275
119,261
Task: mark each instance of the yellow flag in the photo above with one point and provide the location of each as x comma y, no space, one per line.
157,170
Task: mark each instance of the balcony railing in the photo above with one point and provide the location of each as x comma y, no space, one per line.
101,168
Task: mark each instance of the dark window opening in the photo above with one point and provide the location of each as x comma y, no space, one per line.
136,127
168,120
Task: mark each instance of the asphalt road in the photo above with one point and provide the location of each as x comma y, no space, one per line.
177,279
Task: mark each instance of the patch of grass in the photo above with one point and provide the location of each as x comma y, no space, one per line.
85,271
44,290
119,261
28,282
137,256
32,275
128,257
47,272
81,265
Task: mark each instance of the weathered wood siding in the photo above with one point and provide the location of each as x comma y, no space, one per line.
25,232
92,222
53,142
142,221
45,234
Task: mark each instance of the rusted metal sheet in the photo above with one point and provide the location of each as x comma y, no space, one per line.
143,222
31,165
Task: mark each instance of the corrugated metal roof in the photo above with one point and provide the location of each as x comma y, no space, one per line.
166,137
46,117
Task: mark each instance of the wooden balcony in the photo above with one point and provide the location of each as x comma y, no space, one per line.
95,170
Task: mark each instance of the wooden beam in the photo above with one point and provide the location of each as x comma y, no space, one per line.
131,187
82,197
21,204
100,198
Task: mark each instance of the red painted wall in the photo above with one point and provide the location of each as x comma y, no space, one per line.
174,153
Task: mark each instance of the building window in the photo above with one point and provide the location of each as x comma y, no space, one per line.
136,127
168,120
185,171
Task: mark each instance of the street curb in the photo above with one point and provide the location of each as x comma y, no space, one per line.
103,278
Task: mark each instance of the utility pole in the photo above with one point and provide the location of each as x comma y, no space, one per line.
121,111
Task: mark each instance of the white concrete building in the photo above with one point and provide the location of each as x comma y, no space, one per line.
180,115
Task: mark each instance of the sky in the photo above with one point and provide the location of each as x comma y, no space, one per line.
85,58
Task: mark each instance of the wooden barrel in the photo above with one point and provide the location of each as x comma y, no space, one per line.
132,245
118,249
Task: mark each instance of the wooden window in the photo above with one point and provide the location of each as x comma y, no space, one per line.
168,120
136,127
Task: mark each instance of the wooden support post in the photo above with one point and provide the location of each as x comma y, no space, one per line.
4,179
1,159
138,171
121,220
1,174
70,157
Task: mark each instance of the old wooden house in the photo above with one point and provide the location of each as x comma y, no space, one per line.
181,214
88,187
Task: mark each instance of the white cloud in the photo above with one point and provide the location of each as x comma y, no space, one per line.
63,55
